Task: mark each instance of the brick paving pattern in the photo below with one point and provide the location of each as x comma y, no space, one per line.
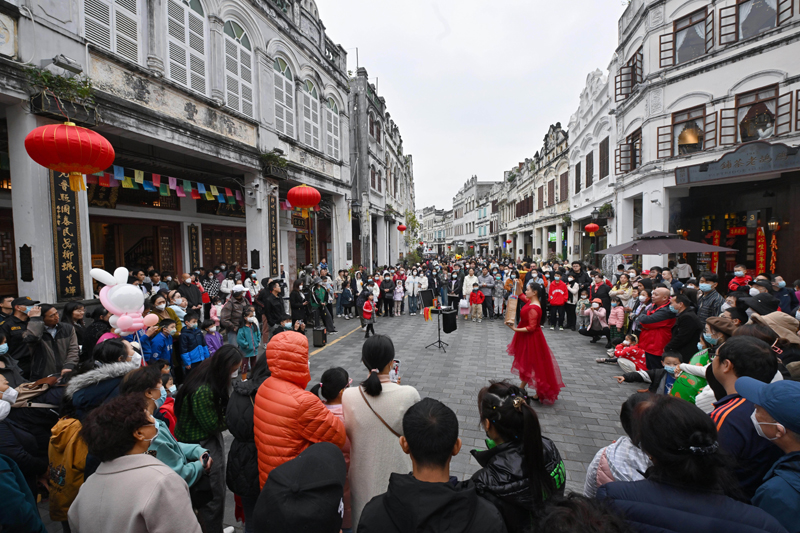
584,419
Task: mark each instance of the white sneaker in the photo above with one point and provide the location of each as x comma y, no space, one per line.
474,320
228,529
561,328
338,316
552,328
346,317
479,321
363,328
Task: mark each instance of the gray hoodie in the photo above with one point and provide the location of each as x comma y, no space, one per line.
487,280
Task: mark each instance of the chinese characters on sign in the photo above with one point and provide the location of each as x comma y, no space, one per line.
273,236
761,250
194,247
715,238
66,238
750,159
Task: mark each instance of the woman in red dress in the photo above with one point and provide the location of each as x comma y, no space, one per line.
533,360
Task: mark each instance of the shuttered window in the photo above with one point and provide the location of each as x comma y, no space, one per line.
186,43
114,26
311,116
578,176
563,193
284,97
332,131
589,169
238,69
604,158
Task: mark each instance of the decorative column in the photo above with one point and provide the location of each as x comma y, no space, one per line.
33,222
342,233
383,242
559,239
257,216
156,43
216,70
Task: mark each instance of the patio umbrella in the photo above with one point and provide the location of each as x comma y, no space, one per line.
658,242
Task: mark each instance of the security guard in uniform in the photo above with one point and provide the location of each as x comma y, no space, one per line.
13,327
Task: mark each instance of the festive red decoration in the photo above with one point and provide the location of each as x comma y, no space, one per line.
509,241
716,235
773,247
421,243
70,149
401,228
761,250
591,228
304,197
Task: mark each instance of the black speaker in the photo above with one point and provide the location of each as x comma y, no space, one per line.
427,297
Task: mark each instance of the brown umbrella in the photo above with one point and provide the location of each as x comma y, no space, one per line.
658,243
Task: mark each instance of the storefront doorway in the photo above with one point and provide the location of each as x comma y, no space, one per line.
8,258
224,244
135,243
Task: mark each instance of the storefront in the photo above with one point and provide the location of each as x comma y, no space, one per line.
746,200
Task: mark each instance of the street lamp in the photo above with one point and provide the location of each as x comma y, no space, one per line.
773,224
595,214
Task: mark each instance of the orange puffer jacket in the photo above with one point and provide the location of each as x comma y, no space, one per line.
287,418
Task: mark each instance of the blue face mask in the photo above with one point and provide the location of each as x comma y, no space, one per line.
613,304
670,370
672,308
700,346
28,309
705,287
3,348
287,325
161,399
781,284
173,389
738,273
709,339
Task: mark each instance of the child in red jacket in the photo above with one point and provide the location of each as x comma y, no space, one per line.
740,278
369,314
558,294
627,355
476,298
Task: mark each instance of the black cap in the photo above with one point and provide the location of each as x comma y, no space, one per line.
23,300
763,304
304,494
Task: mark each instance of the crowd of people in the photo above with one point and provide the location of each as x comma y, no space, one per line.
127,433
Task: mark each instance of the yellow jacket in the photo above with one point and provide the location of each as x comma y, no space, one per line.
67,454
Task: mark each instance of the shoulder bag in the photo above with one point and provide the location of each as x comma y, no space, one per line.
396,434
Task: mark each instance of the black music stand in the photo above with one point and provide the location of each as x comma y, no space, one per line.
438,343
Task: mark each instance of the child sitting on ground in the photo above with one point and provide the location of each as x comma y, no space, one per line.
330,390
582,305
628,355
214,339
661,380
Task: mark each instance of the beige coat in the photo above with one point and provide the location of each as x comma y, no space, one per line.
134,494
375,451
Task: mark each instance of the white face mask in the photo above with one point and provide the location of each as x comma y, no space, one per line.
212,329
168,278
161,307
643,298
759,429
178,301
754,292
252,320
595,305
234,374
136,359
626,343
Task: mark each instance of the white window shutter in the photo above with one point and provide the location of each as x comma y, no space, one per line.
232,74
177,66
126,26
97,22
315,122
197,51
290,113
307,118
246,79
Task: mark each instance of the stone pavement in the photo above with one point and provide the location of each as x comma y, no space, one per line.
584,419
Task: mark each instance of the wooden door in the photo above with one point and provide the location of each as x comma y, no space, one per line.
224,244
8,256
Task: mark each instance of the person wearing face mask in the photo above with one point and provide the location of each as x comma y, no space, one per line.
686,330
184,459
656,324
498,293
298,303
189,292
454,290
776,419
213,338
740,278
486,283
387,291
227,285
158,307
231,315
53,345
14,327
177,304
739,357
193,345
200,405
711,302
597,326
249,337
9,369
660,380
558,295
788,300
119,433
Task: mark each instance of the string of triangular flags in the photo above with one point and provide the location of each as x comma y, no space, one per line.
164,185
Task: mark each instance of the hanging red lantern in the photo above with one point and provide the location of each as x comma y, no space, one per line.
472,246
304,197
421,243
70,149
401,228
509,241
591,228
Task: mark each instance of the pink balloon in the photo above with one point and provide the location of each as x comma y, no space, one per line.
125,323
150,320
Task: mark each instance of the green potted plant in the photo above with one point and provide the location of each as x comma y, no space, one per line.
62,98
606,210
273,165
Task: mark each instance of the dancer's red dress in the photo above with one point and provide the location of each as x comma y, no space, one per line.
533,360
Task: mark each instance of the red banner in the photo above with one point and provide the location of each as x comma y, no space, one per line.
735,232
716,235
773,247
761,250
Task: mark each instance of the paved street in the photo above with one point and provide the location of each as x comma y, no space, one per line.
584,418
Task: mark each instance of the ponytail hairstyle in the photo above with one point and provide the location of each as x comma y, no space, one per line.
333,381
377,353
509,410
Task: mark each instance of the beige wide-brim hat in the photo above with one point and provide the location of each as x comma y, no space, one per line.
784,325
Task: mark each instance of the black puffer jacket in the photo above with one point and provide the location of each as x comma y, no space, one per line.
504,482
242,474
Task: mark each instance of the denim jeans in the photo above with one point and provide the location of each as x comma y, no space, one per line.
412,304
443,295
339,309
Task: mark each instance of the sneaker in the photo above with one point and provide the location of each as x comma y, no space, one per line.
338,316
552,328
346,317
228,529
479,321
363,328
474,319
561,329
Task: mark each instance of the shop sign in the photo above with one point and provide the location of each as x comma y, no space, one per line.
194,247
750,159
66,238
738,231
752,219
298,222
716,235
273,236
551,236
8,36
761,250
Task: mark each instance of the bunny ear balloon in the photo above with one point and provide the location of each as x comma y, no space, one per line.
124,301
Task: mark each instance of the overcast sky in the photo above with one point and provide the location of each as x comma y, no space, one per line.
474,85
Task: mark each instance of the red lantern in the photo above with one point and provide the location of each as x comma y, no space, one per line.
591,228
509,241
70,149
472,246
421,243
401,228
304,197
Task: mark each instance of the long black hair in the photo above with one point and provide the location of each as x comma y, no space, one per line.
70,308
509,410
376,354
682,441
332,382
214,372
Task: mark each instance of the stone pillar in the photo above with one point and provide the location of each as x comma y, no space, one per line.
33,223
654,215
559,239
383,242
342,233
570,243
257,218
157,40
216,70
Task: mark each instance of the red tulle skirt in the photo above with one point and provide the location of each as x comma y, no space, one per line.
535,364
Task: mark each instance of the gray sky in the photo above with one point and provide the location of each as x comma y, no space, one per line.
474,85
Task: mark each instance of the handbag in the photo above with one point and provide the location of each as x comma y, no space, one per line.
463,304
396,434
205,298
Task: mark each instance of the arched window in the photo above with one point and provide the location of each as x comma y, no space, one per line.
186,37
380,175
332,128
371,125
238,69
395,187
310,115
113,25
372,177
284,98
